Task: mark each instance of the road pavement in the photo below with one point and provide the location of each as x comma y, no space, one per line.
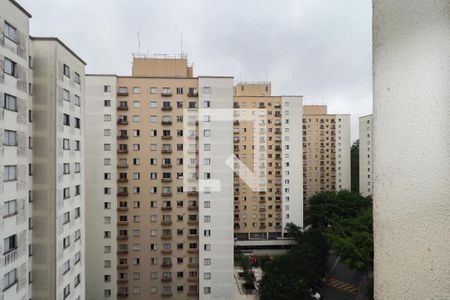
342,282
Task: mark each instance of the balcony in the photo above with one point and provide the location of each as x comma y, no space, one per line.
122,151
166,251
277,226
166,194
193,236
192,222
122,180
122,223
169,279
166,93
122,266
235,122
166,265
166,122
10,257
192,265
122,237
122,208
166,223
193,208
166,108
192,93
236,105
122,136
122,295
193,279
122,280
278,209
166,237
166,137
122,91
122,193
192,193
166,165
122,165
166,294
166,208
262,226
122,122
166,151
193,293
166,179
121,252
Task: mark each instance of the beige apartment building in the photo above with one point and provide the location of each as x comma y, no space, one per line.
326,151
267,140
365,155
160,192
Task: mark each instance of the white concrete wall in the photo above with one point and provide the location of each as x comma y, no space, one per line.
221,199
95,184
49,181
411,149
365,155
292,165
18,155
343,147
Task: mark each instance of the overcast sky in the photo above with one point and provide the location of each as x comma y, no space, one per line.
320,49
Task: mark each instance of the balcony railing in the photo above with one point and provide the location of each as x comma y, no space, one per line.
166,108
122,107
10,257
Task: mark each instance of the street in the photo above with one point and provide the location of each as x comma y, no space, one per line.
342,282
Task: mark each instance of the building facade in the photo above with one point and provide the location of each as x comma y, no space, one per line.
365,156
58,166
16,176
326,151
174,198
267,143
42,178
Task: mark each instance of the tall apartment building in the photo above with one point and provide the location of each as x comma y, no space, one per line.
58,165
15,153
41,157
167,135
326,151
365,155
267,141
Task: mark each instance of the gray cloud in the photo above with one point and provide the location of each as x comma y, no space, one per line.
319,49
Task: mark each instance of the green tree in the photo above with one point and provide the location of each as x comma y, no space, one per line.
354,158
249,276
291,276
352,240
328,206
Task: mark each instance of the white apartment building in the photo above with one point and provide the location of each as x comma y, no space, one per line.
101,187
58,163
365,155
15,153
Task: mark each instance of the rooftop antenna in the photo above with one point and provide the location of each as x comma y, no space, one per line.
181,44
139,43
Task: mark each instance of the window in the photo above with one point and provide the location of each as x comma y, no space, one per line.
66,267
66,193
10,138
107,118
107,88
66,242
77,213
9,279
207,290
107,103
77,189
66,168
77,123
153,90
179,91
10,32
136,90
66,70
66,217
77,100
10,102
9,244
77,78
66,144
77,280
77,167
9,208
66,291
9,173
66,95
66,119
10,67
